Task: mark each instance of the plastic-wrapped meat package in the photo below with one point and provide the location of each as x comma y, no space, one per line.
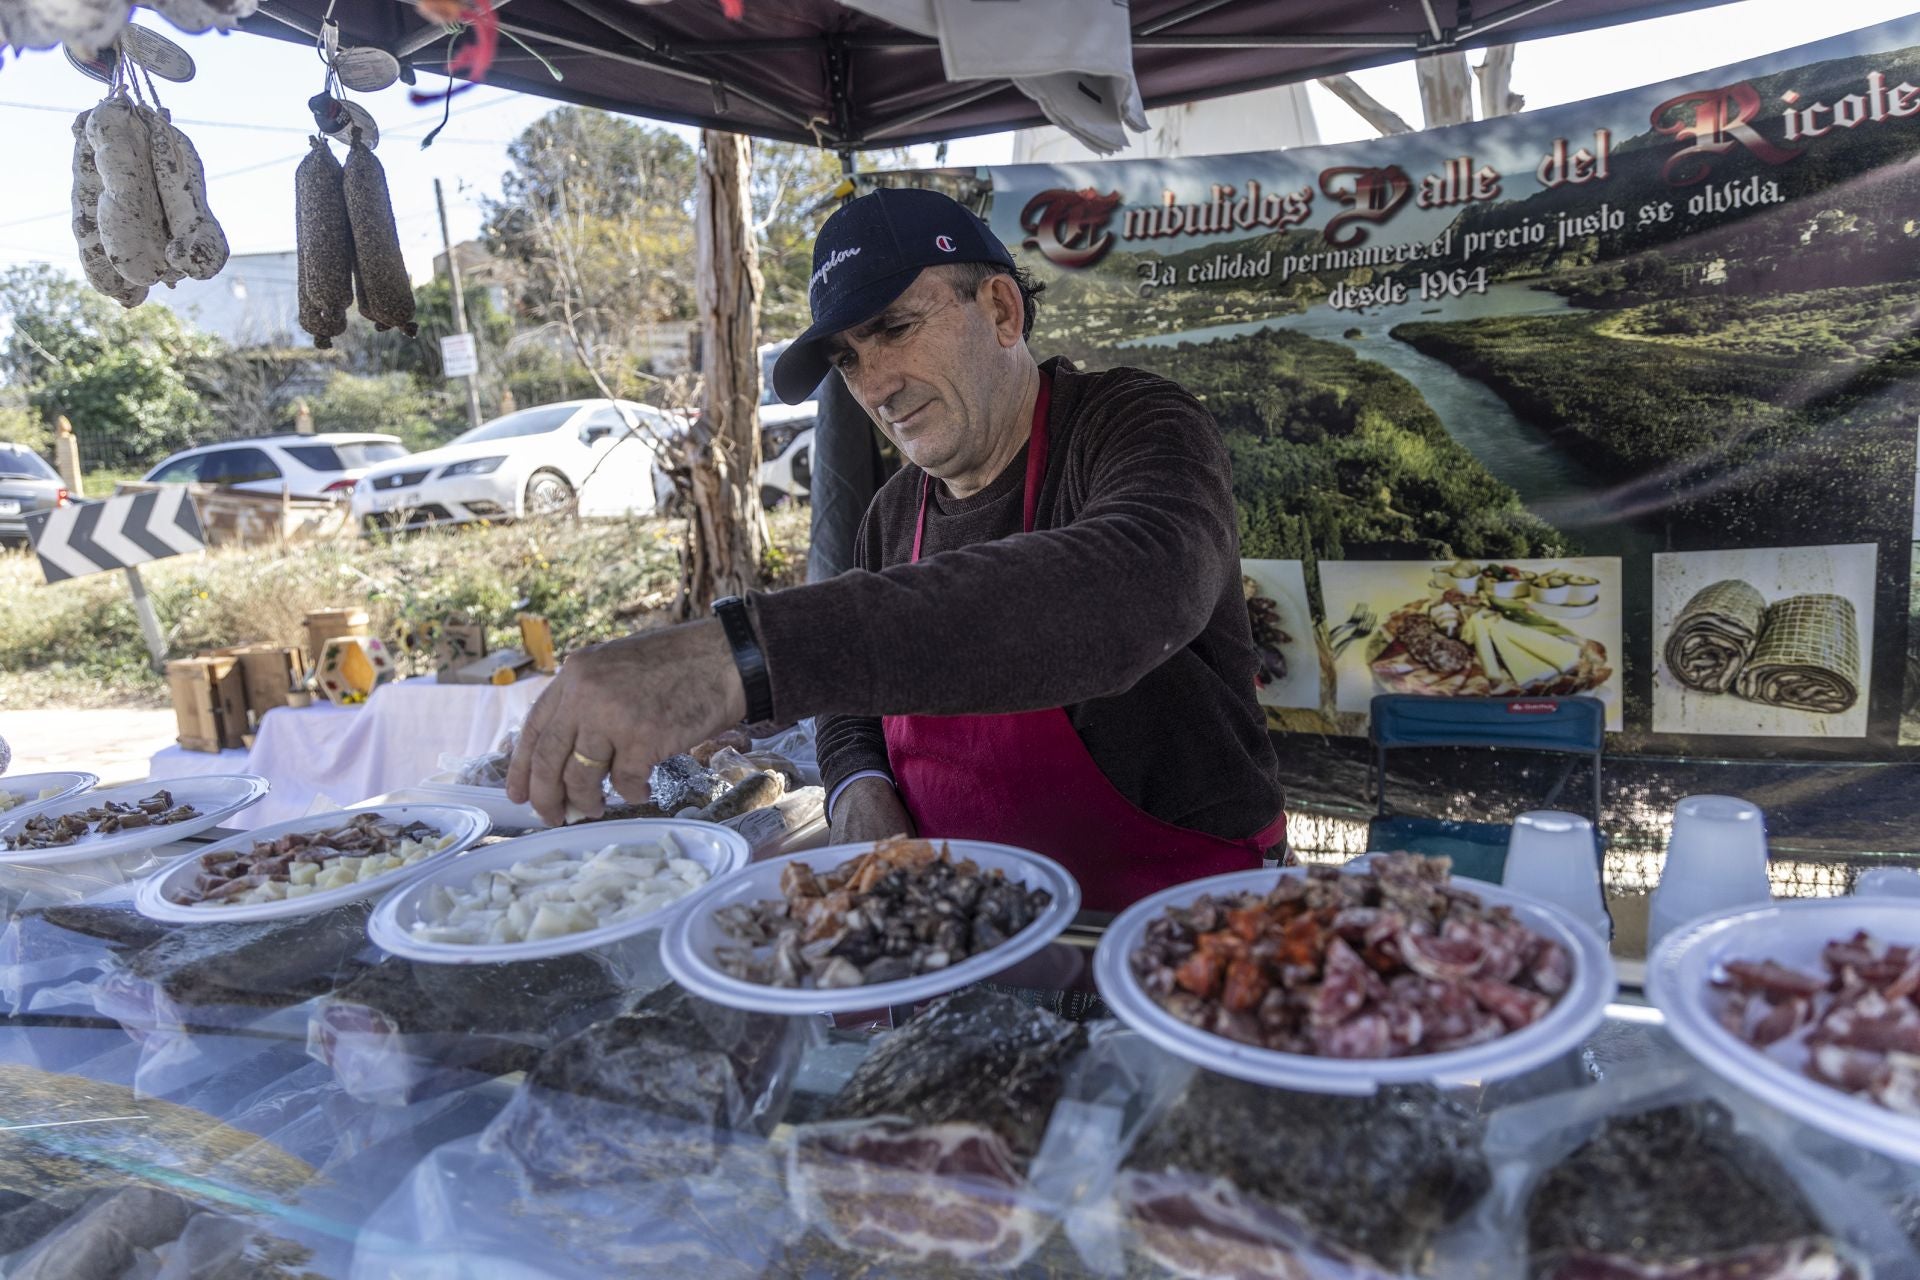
659,1091
1246,1180
1666,1174
142,1231
197,970
45,949
401,1031
1676,1193
926,1151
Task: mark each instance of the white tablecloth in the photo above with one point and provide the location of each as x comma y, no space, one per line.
348,754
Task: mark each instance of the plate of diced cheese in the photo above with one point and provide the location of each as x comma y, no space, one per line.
310,864
557,892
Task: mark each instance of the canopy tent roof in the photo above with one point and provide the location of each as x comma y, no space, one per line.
816,71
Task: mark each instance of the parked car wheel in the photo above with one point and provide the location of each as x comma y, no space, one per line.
549,494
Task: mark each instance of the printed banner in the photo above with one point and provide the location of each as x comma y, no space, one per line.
1530,406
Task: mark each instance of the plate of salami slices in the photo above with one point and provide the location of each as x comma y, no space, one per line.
1808,1005
1340,981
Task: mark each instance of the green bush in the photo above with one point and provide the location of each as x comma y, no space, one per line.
21,425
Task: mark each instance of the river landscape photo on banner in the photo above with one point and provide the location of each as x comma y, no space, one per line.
1507,364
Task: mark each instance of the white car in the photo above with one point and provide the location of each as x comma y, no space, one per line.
786,451
574,456
786,437
317,466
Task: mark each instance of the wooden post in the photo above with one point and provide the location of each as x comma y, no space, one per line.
729,529
66,456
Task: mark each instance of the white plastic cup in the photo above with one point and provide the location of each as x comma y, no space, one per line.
1555,857
1716,861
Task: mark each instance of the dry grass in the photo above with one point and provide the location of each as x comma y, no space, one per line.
78,644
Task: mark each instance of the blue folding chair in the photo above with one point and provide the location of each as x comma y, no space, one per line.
1575,727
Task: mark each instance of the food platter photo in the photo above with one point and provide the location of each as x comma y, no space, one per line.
128,818
1340,982
309,864
1791,1004
556,892
837,930
1284,638
1508,628
22,793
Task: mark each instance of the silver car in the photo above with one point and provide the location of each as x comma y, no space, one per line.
27,485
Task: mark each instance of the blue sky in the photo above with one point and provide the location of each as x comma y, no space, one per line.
246,112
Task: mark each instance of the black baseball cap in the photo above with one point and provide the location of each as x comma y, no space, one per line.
869,253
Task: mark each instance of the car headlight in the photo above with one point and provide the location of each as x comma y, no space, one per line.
473,467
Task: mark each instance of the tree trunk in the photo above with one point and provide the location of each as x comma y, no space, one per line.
1365,105
1495,74
1446,89
728,528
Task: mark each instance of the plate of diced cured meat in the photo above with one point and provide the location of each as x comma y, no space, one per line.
1812,1005
1343,980
129,818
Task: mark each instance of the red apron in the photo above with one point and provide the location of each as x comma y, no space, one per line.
1025,779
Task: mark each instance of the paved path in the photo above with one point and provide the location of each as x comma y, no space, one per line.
116,744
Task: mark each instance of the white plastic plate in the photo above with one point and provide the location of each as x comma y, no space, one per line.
218,796
1680,982
1568,1023
721,851
442,789
25,788
689,942
155,898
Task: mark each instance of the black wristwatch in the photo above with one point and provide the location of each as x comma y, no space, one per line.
732,612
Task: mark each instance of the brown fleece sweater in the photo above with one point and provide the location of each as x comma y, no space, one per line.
1123,606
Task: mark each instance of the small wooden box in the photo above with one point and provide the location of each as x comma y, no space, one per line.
536,637
272,672
324,624
209,701
456,644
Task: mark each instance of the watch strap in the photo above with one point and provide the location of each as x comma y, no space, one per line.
747,657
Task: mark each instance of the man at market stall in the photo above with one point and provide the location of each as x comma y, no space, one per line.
1045,644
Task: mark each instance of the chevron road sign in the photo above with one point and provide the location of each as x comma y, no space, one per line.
118,533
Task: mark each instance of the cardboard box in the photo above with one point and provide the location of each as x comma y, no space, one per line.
209,702
324,624
457,643
352,667
272,673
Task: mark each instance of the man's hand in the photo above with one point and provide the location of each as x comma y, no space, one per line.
626,705
869,809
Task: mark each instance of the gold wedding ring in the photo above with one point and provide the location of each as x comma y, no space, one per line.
590,762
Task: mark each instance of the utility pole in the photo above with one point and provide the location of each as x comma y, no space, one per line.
459,304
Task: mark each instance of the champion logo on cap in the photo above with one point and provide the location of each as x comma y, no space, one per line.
834,259
944,244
